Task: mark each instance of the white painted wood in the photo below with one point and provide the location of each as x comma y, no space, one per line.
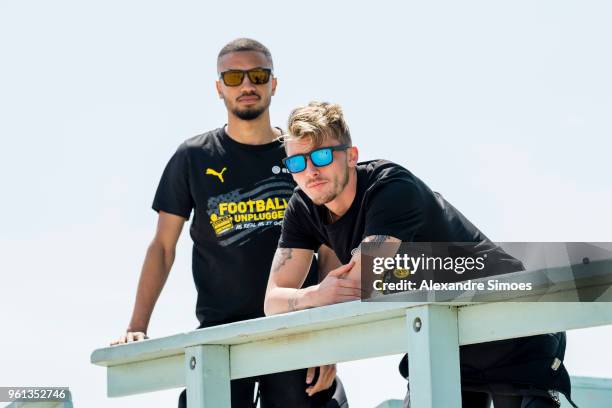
332,345
343,314
319,347
146,376
276,326
207,376
496,321
342,332
433,356
363,339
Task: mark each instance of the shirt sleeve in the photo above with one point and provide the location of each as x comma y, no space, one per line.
173,192
296,232
395,209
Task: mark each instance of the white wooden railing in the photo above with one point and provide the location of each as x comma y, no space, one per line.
206,360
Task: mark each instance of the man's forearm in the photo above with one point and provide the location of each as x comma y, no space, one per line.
283,300
155,270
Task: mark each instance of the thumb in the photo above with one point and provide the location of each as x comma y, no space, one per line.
342,269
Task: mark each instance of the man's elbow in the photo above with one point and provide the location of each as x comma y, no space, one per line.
158,246
268,309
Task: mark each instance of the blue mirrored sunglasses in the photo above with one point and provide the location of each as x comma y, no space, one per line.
319,157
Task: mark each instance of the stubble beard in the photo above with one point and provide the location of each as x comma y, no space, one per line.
338,186
249,113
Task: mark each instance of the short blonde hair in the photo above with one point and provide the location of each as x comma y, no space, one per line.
318,121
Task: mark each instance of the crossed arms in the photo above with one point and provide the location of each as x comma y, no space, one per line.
340,284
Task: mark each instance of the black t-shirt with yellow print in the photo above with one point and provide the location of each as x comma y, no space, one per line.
238,194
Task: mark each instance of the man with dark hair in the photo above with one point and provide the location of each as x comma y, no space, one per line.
232,180
342,203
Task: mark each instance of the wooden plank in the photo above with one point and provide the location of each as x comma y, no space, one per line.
146,376
433,357
292,352
343,314
477,323
341,332
496,321
289,324
320,347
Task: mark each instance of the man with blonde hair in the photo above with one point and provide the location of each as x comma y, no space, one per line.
342,203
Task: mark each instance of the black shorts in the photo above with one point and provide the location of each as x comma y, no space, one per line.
287,389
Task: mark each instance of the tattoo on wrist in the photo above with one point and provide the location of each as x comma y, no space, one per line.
378,239
292,303
280,258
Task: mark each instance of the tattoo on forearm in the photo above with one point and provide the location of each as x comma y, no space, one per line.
292,303
378,240
280,258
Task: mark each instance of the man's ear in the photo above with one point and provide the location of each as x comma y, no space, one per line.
353,156
218,86
274,85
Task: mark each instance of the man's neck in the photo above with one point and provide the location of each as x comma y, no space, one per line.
254,132
341,204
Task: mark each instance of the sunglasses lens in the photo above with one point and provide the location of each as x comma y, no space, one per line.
259,76
295,164
232,78
321,157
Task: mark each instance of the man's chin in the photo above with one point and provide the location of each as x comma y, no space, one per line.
249,114
320,200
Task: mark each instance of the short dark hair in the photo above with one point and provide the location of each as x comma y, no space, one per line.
245,44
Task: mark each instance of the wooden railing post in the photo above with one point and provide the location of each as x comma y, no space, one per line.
207,376
433,357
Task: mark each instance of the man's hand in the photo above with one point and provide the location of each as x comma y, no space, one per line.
129,337
327,374
336,287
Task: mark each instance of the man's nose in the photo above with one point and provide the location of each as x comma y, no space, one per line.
247,85
311,169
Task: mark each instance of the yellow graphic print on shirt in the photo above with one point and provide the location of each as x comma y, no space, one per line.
247,213
239,215
222,224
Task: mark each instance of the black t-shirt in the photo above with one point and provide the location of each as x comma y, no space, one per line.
238,194
391,201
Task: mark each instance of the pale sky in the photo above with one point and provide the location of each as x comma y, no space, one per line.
503,107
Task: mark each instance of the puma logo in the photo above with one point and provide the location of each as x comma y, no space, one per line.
216,174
